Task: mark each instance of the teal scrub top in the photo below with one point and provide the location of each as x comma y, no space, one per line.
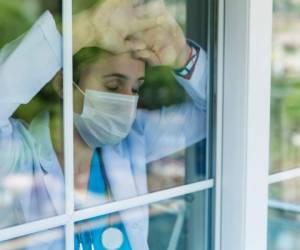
91,240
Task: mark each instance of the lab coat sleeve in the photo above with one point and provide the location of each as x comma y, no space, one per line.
174,128
27,64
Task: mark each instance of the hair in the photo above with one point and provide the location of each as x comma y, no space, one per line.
85,57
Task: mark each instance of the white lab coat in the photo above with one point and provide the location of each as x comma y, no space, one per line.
26,65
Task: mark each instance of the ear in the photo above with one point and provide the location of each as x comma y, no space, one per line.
57,83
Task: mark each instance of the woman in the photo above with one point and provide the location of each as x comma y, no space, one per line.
119,151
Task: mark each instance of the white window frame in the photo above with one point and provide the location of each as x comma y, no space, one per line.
243,101
246,120
70,217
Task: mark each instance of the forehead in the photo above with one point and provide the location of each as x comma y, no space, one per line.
123,64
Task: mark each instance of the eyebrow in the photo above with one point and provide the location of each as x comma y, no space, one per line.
116,75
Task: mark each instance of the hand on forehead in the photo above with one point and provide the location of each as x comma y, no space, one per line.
120,26
150,9
165,42
116,20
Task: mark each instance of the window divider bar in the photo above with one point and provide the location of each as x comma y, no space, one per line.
284,176
69,235
141,200
219,129
33,227
68,221
68,120
246,126
285,206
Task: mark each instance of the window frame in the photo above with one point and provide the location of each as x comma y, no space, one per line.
246,120
71,216
242,102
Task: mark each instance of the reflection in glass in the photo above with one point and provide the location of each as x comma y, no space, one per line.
181,223
286,191
284,199
139,115
285,109
50,239
31,179
284,230
284,211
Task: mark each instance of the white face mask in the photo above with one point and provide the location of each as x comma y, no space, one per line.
106,118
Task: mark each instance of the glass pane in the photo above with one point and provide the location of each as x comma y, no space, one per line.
285,110
50,239
284,227
140,97
284,230
182,223
284,211
286,191
31,179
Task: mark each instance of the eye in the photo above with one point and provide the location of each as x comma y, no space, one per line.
112,88
112,85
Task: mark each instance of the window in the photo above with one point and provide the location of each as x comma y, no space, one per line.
209,193
25,144
284,153
173,197
53,238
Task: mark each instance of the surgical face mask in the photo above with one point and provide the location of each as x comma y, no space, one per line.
106,118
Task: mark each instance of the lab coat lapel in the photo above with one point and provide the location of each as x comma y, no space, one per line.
118,171
120,176
47,163
34,200
138,165
54,182
29,172
137,158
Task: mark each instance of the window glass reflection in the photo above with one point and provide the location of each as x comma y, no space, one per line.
173,224
284,211
140,100
285,135
31,179
286,191
284,225
284,229
50,239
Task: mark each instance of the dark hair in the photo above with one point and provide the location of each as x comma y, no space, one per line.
83,58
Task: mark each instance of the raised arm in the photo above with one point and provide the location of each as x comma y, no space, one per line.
27,64
174,128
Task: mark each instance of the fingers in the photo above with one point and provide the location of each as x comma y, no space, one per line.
123,46
134,45
136,3
147,55
139,25
152,9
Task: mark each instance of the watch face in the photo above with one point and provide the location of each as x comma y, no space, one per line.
112,238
